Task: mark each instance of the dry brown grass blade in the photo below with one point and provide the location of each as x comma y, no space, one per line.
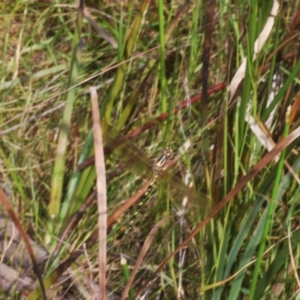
174,22
101,191
10,212
284,143
144,250
98,29
127,204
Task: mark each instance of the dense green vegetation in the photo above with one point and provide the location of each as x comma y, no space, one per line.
216,82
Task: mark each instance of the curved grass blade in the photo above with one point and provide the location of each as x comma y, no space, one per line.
59,166
11,213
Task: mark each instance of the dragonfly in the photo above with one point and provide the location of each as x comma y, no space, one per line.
137,160
157,168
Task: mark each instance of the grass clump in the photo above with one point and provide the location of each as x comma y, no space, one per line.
218,83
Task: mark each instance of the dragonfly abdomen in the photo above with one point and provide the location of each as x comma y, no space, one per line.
157,167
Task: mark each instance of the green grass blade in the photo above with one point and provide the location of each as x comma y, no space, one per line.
268,223
59,165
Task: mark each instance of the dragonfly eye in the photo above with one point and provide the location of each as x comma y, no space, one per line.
168,153
158,165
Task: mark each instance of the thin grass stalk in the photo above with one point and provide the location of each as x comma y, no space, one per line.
126,275
268,223
163,81
249,81
224,236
